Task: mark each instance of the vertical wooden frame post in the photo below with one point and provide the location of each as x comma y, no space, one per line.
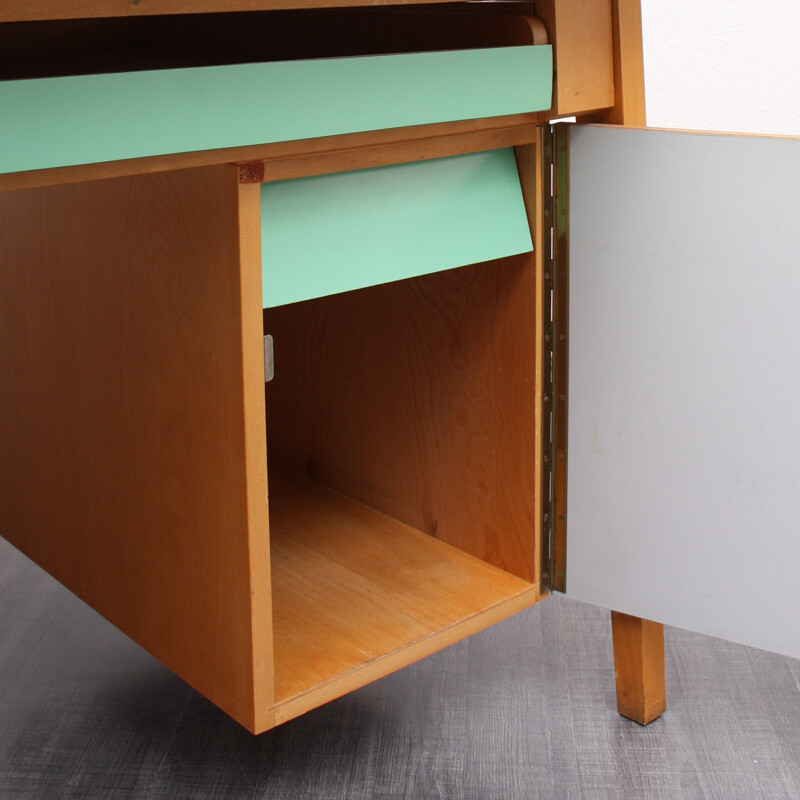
629,102
531,175
638,643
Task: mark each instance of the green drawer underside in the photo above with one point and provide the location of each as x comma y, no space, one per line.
54,122
334,233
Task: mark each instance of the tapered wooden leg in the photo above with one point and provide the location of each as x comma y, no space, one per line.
639,667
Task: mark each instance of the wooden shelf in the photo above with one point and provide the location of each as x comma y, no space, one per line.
357,594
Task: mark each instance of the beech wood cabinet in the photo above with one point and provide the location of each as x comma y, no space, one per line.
380,192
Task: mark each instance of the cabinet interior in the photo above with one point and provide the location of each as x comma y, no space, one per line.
84,46
402,475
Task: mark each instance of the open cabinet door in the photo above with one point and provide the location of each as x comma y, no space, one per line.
683,501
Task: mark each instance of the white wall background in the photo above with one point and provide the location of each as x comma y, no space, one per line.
725,65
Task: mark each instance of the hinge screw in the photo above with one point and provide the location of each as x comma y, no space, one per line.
547,398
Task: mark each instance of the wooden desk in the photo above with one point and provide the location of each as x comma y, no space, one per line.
404,430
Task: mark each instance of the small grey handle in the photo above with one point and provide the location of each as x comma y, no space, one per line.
269,359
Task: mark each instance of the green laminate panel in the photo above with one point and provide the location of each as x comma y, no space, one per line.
52,122
334,233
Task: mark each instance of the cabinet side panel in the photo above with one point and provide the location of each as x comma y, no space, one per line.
122,413
255,430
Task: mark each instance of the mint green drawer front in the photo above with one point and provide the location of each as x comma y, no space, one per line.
53,122
334,233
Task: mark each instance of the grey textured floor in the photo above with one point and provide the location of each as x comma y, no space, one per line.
523,710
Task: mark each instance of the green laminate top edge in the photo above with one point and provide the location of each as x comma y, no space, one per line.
335,233
57,122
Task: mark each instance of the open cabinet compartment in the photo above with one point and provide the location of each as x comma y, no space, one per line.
402,458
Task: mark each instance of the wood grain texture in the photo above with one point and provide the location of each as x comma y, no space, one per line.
629,102
358,594
255,457
418,399
379,155
581,33
131,416
639,667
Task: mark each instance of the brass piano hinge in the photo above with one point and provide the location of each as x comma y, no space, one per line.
555,207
